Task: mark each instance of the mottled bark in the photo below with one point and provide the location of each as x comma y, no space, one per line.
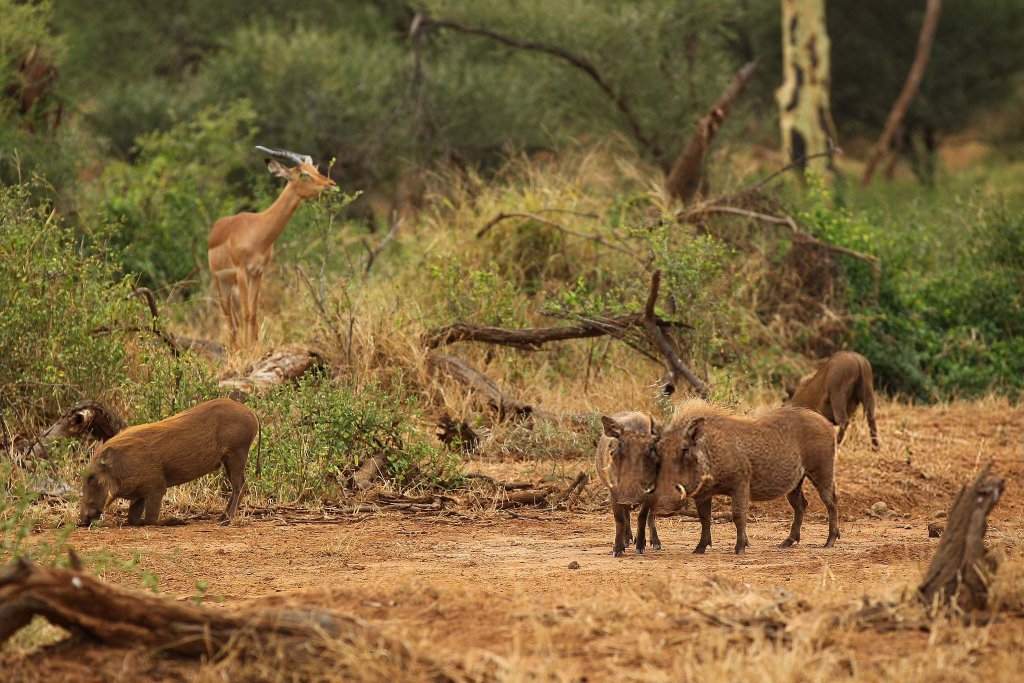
805,113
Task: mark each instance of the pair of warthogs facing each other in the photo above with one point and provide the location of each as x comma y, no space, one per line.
704,451
140,463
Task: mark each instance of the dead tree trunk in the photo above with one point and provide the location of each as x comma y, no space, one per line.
675,366
961,568
805,112
686,178
910,88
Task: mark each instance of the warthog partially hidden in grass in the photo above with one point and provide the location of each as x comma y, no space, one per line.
836,388
141,463
627,464
757,458
84,420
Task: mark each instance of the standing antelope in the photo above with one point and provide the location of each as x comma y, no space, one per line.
241,246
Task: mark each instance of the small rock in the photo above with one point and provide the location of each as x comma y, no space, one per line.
940,514
935,529
907,526
879,509
574,565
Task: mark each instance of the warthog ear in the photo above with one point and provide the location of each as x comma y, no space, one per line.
612,427
693,431
102,461
655,427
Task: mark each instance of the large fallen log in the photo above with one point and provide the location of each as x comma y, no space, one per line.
277,367
962,568
84,605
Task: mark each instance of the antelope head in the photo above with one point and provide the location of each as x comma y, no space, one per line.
299,170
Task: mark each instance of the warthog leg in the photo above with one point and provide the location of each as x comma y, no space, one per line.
135,511
234,469
641,527
621,513
704,513
829,497
740,503
655,541
799,503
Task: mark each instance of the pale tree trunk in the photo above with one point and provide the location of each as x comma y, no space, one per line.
804,110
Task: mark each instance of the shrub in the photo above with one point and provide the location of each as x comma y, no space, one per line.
316,433
63,306
183,180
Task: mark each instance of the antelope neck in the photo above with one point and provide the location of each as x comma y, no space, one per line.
277,215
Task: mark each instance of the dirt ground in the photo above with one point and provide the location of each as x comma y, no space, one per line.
534,594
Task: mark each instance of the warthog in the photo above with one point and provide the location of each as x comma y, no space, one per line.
142,462
836,388
627,464
84,420
748,459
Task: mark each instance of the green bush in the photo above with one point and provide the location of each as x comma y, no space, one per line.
316,433
182,181
945,318
63,308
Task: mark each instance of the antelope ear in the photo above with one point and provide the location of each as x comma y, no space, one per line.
278,169
612,427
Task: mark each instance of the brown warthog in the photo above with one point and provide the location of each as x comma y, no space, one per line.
84,420
748,459
836,388
627,464
142,462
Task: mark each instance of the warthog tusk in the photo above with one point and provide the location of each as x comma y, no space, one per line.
648,489
682,491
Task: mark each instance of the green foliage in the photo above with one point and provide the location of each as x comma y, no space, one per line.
947,317
17,520
317,433
182,181
62,308
480,295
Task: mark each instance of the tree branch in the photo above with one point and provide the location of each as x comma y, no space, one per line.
675,364
685,178
910,88
421,22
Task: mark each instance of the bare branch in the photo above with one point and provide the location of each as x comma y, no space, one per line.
597,239
421,22
684,180
910,88
657,335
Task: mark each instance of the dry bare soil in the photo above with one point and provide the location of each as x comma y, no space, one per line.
489,594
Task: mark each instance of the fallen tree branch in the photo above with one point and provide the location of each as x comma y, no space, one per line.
479,383
962,568
675,364
909,90
116,617
277,367
532,338
684,180
421,22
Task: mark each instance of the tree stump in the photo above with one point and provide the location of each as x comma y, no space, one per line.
962,568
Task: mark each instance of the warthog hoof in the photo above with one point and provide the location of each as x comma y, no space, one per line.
699,550
830,543
656,545
616,553
788,543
